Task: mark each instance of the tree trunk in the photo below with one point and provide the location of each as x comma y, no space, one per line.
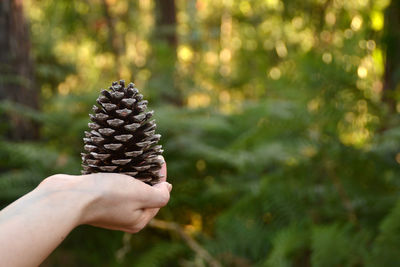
166,21
113,38
16,69
166,41
391,41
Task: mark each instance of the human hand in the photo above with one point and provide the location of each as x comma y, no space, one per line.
124,203
116,201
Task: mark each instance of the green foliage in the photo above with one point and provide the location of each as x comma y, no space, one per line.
278,143
335,246
288,244
25,165
160,254
384,250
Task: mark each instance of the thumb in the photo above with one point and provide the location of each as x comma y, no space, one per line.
163,170
158,195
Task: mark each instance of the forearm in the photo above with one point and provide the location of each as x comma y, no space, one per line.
34,225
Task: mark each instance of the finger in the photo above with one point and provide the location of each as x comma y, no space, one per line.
157,196
149,214
163,171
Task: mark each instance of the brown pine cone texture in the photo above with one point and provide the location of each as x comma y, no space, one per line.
122,136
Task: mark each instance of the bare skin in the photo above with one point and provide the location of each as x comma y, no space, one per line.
34,225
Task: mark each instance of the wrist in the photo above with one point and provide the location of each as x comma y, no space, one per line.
70,195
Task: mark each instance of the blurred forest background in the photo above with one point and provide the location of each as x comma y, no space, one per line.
280,123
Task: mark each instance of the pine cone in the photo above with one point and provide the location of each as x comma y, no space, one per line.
122,137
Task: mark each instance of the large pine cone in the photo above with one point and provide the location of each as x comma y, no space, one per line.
122,137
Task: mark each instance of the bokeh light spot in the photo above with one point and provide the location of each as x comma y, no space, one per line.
275,73
327,58
356,23
362,72
185,53
377,20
